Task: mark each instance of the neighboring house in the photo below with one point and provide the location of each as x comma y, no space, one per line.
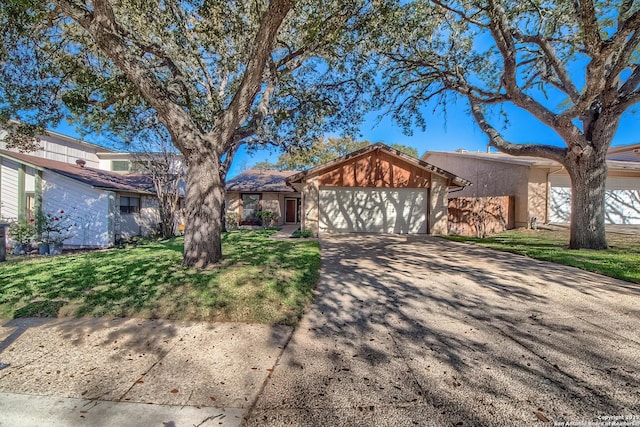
62,148
103,205
256,190
85,181
541,187
625,153
377,190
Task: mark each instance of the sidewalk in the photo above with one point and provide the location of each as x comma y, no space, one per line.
285,232
145,372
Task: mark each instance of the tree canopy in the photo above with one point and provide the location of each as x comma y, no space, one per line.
214,75
321,151
573,65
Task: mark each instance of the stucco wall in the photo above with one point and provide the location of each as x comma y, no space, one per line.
271,201
438,206
311,190
489,178
537,190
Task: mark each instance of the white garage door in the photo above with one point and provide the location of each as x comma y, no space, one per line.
373,210
622,200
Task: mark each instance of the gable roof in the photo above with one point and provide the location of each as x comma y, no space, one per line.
454,180
255,180
97,178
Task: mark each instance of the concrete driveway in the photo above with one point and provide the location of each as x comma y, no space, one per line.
422,331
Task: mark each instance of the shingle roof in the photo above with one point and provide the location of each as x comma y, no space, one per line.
261,181
134,183
612,162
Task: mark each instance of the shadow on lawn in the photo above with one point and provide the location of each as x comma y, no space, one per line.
440,333
149,281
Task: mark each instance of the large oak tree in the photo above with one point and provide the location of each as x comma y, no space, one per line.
215,74
573,65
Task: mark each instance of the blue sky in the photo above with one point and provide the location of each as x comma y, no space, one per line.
457,131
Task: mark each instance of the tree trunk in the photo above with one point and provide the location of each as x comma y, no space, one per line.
588,183
203,225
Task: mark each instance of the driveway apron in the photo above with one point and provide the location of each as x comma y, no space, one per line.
417,330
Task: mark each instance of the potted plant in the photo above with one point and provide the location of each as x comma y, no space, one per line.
54,229
21,232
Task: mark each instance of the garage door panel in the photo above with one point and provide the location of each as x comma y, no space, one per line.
622,201
373,210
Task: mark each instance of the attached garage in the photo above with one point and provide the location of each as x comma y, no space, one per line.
375,190
373,210
622,199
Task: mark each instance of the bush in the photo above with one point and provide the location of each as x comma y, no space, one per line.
304,234
232,220
22,231
267,218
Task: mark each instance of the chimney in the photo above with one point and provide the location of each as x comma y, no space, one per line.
81,163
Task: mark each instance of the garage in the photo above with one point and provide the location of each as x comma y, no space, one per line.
375,190
622,200
373,210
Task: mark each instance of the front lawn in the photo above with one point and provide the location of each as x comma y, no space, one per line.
621,261
259,280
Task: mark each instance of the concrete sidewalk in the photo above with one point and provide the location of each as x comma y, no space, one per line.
143,372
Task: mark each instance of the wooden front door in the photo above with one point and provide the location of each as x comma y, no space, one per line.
290,211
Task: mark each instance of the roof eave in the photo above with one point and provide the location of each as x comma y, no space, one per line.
380,146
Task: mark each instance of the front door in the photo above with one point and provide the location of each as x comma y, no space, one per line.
291,211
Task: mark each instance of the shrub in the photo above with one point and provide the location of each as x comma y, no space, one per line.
54,227
304,234
22,231
232,220
267,218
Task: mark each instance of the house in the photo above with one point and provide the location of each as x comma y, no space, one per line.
376,189
541,187
262,190
73,175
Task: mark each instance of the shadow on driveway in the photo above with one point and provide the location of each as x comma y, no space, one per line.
422,331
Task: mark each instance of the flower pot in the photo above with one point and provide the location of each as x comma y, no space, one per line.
55,248
43,249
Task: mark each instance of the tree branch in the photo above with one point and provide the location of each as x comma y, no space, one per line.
567,85
103,28
252,78
589,24
496,140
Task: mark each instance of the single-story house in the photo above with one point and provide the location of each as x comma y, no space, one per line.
376,190
541,187
103,205
262,190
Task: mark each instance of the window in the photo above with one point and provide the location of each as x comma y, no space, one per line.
30,205
250,206
120,165
129,205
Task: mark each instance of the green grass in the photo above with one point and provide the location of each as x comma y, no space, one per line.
259,280
621,261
